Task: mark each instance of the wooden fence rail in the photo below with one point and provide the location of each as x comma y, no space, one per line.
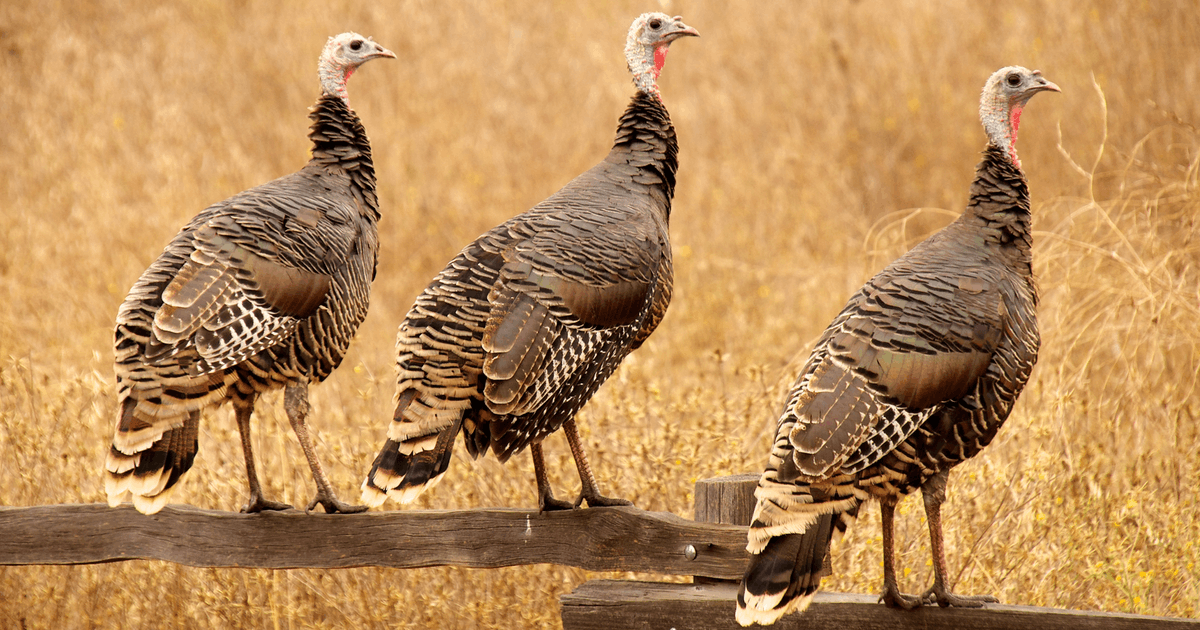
603,604
609,539
712,549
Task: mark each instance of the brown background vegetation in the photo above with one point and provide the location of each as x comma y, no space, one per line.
818,141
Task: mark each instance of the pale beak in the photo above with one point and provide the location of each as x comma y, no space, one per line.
679,29
1044,85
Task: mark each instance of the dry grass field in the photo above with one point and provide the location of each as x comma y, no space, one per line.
818,141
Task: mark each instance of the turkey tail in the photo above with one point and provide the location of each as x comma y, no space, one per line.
789,552
144,468
785,575
413,458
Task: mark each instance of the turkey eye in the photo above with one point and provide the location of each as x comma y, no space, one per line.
356,44
656,24
1014,80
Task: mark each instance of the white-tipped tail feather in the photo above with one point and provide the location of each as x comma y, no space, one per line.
764,609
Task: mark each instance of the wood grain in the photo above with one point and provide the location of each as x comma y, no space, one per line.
597,539
603,604
727,500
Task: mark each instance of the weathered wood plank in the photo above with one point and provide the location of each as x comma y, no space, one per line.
604,604
727,500
597,539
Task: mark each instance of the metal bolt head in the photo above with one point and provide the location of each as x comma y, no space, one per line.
690,552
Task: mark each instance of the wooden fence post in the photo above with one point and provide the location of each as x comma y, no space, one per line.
725,501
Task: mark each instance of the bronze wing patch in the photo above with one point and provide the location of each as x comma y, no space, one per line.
221,272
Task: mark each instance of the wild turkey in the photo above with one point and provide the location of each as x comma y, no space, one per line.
520,329
262,290
914,376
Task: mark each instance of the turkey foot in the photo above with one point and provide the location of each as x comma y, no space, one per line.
933,491
546,500
332,504
891,592
944,598
547,503
587,490
893,598
595,499
295,403
258,504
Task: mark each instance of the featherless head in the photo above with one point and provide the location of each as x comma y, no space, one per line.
646,48
1004,96
343,55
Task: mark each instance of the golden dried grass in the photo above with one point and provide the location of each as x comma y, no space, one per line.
815,140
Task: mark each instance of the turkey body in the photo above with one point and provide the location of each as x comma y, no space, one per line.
262,290
512,338
916,374
921,368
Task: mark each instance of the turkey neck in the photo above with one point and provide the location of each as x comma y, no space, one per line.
646,141
999,207
340,142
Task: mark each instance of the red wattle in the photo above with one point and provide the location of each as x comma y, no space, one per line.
660,58
1014,121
